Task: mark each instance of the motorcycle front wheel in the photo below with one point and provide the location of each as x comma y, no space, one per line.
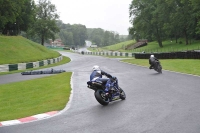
122,94
159,68
100,97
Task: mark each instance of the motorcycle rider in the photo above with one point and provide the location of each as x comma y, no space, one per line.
152,61
97,75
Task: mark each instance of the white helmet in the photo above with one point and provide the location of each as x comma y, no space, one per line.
95,68
152,56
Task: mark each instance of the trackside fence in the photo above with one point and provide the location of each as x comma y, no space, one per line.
167,55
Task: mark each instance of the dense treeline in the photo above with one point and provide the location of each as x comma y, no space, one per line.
16,16
102,37
76,34
72,35
40,22
162,19
37,21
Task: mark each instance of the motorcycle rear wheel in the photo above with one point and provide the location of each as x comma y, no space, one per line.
100,97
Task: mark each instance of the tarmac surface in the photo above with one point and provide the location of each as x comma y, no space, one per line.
156,103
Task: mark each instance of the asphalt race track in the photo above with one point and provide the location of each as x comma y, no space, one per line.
156,103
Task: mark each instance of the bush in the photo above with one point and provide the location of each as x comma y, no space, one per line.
66,48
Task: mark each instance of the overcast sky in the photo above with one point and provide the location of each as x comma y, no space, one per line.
111,15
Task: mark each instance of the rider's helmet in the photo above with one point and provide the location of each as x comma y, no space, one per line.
152,56
95,68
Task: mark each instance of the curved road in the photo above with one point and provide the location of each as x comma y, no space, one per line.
156,103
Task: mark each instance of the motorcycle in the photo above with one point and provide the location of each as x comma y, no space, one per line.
115,92
158,67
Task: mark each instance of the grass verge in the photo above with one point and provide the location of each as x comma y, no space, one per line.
188,66
27,98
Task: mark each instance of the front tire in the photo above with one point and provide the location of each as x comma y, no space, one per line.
160,69
100,97
122,94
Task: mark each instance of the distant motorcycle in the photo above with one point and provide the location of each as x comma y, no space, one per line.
115,93
157,67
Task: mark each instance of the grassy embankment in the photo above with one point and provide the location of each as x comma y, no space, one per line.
22,99
16,49
189,66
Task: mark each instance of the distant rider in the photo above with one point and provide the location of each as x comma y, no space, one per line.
97,75
152,61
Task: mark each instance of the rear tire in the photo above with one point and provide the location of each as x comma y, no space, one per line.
99,95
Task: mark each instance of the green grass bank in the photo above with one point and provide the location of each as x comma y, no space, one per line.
17,49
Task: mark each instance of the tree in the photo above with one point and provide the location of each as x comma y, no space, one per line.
97,36
101,37
196,8
72,34
161,19
106,38
27,16
117,38
66,37
45,26
9,10
79,34
146,19
182,20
